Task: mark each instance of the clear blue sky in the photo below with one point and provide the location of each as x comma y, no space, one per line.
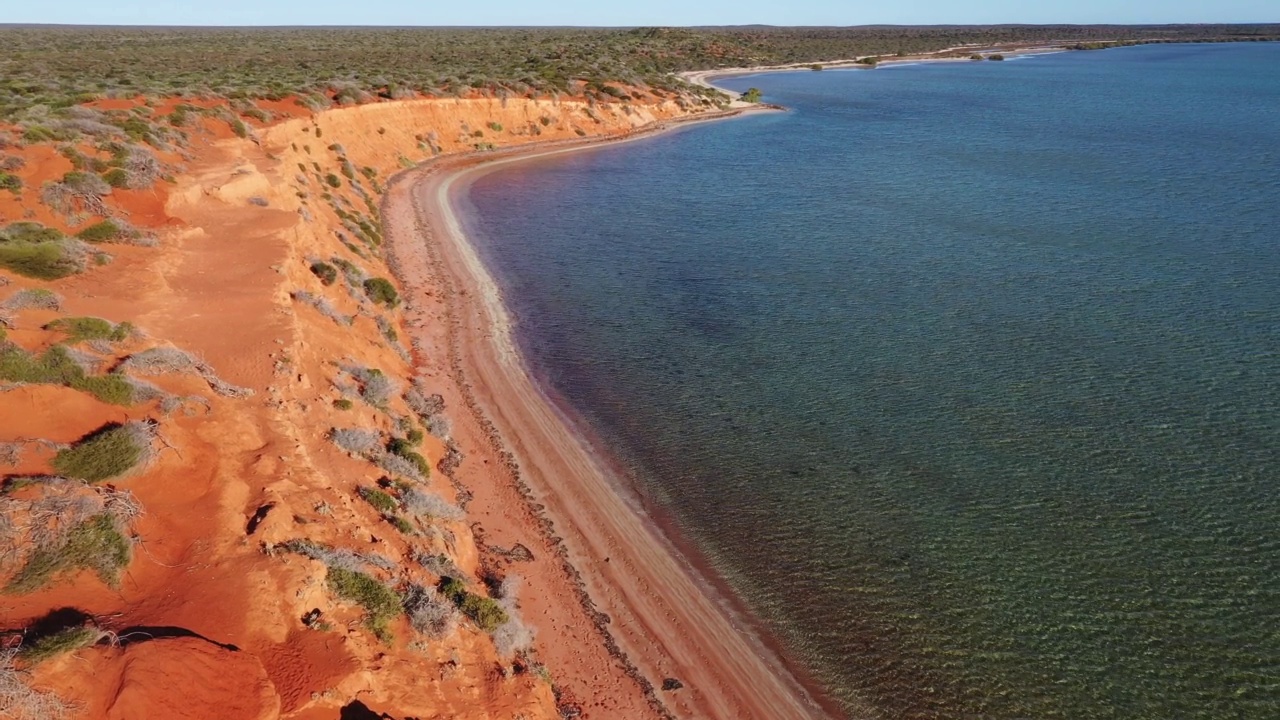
635,12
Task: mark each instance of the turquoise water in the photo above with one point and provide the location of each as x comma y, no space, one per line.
966,376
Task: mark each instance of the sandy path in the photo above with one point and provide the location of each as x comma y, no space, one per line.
664,619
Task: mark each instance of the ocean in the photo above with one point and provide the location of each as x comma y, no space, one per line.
965,376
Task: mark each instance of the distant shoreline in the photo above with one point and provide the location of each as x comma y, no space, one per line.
705,77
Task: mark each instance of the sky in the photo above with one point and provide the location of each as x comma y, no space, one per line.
638,12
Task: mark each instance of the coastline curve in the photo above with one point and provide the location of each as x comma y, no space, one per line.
656,609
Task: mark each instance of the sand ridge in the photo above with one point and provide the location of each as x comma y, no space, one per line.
235,479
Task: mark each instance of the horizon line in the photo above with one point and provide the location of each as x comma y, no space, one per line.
638,27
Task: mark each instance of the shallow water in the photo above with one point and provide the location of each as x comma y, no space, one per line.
966,376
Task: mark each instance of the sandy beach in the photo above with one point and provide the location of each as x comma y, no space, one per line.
637,606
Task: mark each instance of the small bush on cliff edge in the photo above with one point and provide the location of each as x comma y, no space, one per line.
381,291
326,272
485,612
380,603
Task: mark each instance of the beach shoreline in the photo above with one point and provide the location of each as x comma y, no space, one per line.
658,608
705,78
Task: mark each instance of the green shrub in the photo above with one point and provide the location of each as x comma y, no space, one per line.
381,501
452,588
29,232
404,448
486,612
381,291
495,126
12,183
56,367
111,388
136,128
752,95
325,272
58,643
333,180
79,329
96,544
343,404
997,57
37,133
107,453
404,526
33,250
380,603
238,127
45,261
116,178
86,183
104,231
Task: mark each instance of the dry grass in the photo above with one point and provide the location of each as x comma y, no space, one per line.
430,613
376,388
323,306
68,527
20,701
357,441
171,360
33,299
424,504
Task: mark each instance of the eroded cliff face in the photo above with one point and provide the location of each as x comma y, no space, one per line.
292,542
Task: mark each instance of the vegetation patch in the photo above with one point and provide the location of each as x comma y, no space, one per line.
35,251
381,501
380,603
381,291
376,388
429,611
20,701
108,231
57,366
80,329
58,643
166,360
95,544
487,613
110,452
326,272
33,298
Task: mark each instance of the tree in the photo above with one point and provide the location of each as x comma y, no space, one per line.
752,95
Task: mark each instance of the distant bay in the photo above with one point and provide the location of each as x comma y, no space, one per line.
965,375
